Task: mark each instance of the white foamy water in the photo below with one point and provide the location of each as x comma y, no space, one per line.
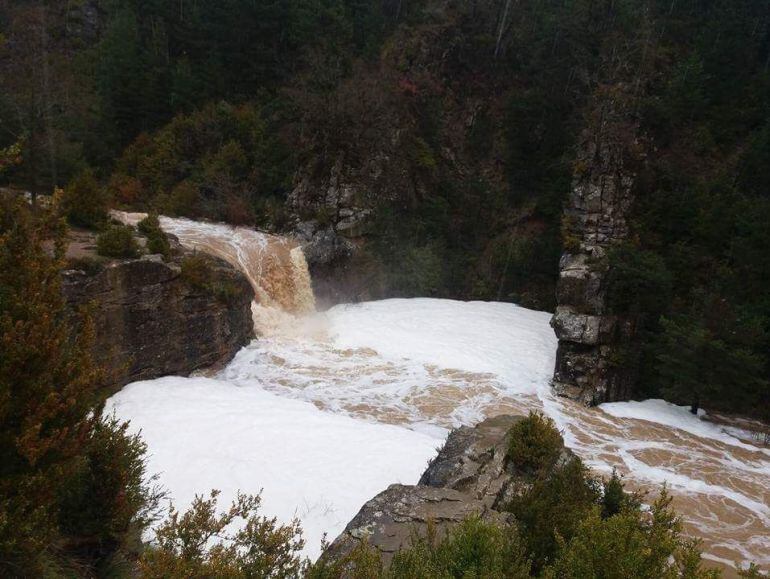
327,413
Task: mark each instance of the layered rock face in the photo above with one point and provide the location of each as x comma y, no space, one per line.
470,476
595,219
150,322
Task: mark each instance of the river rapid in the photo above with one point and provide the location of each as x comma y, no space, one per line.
324,410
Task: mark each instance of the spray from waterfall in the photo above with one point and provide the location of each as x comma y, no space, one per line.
275,266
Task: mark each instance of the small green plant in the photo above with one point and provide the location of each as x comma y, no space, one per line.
196,271
117,241
84,202
199,274
570,239
630,545
615,498
534,444
157,241
423,155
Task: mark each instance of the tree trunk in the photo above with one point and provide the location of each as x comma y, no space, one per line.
501,27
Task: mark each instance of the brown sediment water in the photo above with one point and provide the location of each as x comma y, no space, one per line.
720,482
275,266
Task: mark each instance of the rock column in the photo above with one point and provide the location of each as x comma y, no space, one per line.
595,219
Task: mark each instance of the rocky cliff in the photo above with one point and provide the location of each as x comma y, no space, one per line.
151,321
469,476
595,220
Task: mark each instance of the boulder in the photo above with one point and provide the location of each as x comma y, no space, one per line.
389,520
469,476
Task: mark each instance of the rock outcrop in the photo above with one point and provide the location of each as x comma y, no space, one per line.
469,476
595,220
150,321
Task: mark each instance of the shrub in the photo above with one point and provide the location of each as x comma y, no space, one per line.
202,543
70,483
110,499
615,499
473,549
157,241
85,203
184,199
550,512
363,562
117,241
631,545
197,271
534,444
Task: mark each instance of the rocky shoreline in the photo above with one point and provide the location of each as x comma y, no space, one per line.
470,476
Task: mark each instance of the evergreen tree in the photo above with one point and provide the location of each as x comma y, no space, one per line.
58,458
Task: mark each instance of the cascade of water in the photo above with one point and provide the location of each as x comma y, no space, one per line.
435,364
275,266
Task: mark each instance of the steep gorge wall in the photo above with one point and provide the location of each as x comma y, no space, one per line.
149,321
595,219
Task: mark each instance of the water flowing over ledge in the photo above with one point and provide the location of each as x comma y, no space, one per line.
324,410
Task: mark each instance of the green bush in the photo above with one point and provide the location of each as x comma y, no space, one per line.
202,543
550,512
473,549
111,498
117,241
157,241
630,545
84,202
534,444
616,499
198,273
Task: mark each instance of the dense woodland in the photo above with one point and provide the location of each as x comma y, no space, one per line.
467,112
455,121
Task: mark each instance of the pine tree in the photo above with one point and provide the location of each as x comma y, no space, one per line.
46,388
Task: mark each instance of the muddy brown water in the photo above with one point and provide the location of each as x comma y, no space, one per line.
720,484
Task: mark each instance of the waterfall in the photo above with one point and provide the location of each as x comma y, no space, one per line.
275,266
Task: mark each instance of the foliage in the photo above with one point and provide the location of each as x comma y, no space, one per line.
215,162
628,544
534,444
473,549
615,498
550,512
84,202
198,273
157,241
238,542
362,562
58,459
117,241
702,363
638,281
110,498
592,535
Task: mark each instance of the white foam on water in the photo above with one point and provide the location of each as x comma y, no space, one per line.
300,411
488,337
318,466
678,417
